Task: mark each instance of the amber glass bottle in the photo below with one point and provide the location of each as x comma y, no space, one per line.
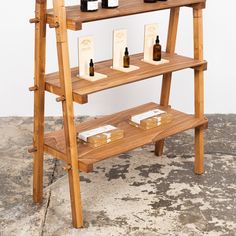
110,3
91,68
126,58
89,5
157,50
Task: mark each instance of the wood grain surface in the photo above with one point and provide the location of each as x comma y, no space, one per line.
81,87
75,17
134,137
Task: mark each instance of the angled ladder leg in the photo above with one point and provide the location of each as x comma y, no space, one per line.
39,85
198,91
68,111
166,81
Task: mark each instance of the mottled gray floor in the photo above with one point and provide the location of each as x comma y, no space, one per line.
135,194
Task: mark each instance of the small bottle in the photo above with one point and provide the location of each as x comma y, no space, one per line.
91,68
150,1
110,3
157,50
126,58
89,5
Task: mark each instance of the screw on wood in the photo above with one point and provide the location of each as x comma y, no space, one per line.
32,150
54,25
67,168
34,20
34,88
60,99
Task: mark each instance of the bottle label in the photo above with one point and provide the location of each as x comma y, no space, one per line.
137,118
113,3
92,5
89,133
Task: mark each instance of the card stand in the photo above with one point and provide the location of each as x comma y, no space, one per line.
86,52
156,63
126,70
96,77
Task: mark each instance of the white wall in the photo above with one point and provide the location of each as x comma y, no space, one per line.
16,57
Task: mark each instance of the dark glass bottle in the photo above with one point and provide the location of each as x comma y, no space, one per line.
110,3
150,1
157,50
126,58
91,68
89,5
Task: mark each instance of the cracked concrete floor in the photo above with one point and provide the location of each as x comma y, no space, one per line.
135,193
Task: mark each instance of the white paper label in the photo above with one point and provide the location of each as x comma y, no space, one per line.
113,3
86,52
137,118
86,134
92,5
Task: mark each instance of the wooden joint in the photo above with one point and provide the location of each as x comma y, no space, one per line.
67,168
32,150
60,99
205,126
201,67
54,25
34,88
34,20
87,168
198,6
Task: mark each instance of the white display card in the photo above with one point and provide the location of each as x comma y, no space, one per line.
119,44
86,53
150,34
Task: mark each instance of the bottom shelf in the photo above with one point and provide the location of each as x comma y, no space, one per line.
134,137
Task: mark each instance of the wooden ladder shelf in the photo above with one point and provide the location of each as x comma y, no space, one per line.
63,144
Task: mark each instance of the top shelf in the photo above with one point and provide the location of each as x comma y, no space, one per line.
75,17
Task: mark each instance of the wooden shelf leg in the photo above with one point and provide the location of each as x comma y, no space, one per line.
39,81
198,91
166,81
68,112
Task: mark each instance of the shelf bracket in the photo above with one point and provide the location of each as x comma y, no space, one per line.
67,168
61,99
32,150
33,88
34,20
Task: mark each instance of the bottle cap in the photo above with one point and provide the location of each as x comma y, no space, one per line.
91,62
157,39
126,51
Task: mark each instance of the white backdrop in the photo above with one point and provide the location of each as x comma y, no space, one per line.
16,57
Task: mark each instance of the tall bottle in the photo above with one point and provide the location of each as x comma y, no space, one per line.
91,68
126,59
157,50
89,5
110,3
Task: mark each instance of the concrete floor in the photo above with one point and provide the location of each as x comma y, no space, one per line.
135,193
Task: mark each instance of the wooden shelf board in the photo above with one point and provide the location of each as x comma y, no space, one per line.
82,88
75,17
134,137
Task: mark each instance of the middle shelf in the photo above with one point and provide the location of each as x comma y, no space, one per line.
82,88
